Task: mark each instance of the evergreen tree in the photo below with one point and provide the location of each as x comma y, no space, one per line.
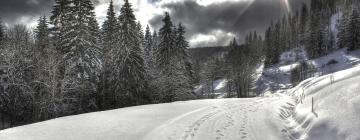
354,30
42,35
2,33
182,46
148,44
60,21
303,22
343,34
171,63
60,24
140,35
128,69
43,98
110,29
110,33
79,53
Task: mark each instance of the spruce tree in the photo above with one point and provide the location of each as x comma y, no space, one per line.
171,63
110,29
354,30
109,35
60,21
44,98
182,45
166,45
343,34
79,53
128,69
60,24
42,35
148,44
2,33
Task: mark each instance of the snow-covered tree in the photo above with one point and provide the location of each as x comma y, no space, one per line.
303,22
2,32
110,29
128,70
78,52
171,60
353,29
17,62
109,34
148,50
182,45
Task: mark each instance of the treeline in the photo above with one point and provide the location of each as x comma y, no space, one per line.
309,29
319,29
237,65
68,65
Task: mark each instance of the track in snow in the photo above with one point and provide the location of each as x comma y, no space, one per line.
232,119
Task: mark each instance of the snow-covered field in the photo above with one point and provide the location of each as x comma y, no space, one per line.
254,118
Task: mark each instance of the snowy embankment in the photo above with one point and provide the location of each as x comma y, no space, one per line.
328,107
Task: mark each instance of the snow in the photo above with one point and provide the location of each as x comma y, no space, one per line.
220,84
220,90
336,114
254,118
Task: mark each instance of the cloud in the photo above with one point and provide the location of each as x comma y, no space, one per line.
236,17
208,22
23,11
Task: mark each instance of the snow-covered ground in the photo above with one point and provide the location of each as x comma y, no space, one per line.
254,118
220,89
336,107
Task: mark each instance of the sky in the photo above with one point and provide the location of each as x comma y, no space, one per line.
208,22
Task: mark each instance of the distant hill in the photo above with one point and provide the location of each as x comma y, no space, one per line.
204,53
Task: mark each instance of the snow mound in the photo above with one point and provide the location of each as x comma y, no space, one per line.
328,107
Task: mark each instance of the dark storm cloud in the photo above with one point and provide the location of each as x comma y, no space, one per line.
231,17
13,10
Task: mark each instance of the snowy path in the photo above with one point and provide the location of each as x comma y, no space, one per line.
231,119
221,119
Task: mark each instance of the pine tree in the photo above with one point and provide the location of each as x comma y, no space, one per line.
343,34
155,43
171,63
140,35
60,24
166,44
109,34
148,42
2,33
60,21
42,35
79,53
128,69
110,29
182,45
165,53
354,30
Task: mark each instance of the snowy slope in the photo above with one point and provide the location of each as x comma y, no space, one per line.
336,107
227,119
278,76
